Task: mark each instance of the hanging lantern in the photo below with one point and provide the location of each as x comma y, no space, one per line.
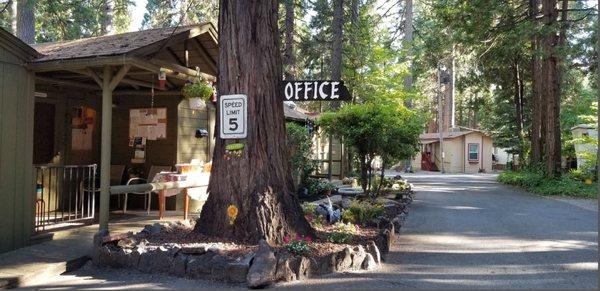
162,78
213,98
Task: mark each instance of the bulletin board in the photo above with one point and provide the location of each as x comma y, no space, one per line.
150,123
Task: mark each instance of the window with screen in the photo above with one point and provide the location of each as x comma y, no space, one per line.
473,152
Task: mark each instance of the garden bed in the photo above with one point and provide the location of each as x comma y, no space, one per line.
176,249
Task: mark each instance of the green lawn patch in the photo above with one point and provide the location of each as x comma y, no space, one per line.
536,182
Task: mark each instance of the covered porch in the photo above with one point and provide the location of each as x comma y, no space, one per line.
102,117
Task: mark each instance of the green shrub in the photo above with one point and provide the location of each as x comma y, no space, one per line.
535,181
342,232
362,211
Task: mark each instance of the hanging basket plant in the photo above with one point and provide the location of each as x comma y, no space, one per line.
197,93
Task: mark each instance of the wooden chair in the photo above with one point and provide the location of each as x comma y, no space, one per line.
153,171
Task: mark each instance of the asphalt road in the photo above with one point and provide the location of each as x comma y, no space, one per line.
463,231
468,231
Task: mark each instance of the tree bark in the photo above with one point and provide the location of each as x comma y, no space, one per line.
538,109
336,54
551,89
259,183
407,43
289,58
518,102
106,25
26,21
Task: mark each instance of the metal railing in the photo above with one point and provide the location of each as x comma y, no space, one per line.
61,194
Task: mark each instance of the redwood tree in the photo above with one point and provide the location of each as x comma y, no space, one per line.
259,183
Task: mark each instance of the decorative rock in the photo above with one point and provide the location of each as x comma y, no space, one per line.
156,261
302,268
369,263
346,203
374,251
343,259
262,269
197,250
323,265
237,272
358,256
178,265
200,267
284,271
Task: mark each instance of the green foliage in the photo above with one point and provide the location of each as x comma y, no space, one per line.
298,245
325,185
299,142
362,211
342,232
384,129
312,185
168,13
199,89
536,182
309,208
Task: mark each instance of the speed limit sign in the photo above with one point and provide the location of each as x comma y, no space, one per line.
233,110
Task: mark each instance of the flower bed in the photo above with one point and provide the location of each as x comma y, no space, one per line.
176,249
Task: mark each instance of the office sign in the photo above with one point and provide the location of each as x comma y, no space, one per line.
233,111
314,91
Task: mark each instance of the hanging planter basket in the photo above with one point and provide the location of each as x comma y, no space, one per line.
197,94
196,103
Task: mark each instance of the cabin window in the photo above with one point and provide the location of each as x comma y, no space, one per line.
473,152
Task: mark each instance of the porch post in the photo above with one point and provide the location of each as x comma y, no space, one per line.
105,148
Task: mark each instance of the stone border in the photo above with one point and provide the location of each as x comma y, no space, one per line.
259,269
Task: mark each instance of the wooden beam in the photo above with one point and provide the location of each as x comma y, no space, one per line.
209,60
174,69
94,76
118,77
175,56
67,83
146,93
105,146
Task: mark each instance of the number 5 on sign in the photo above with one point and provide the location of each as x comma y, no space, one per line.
233,110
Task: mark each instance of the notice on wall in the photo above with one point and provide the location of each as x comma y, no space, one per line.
150,123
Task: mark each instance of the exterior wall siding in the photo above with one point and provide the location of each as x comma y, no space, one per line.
16,149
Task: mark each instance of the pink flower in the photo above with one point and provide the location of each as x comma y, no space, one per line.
286,239
308,239
298,237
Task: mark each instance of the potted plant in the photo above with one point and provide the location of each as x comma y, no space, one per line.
197,93
325,187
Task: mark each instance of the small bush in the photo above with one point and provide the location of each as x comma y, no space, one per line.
298,245
342,232
535,181
362,211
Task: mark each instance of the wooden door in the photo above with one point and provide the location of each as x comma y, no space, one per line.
43,133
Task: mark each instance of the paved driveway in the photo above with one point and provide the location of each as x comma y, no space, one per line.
467,231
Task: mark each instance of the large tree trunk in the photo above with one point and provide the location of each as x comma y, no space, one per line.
289,59
537,103
106,24
336,54
26,20
551,89
336,65
407,43
259,183
518,102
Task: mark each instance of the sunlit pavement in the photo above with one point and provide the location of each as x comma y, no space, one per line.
467,231
463,231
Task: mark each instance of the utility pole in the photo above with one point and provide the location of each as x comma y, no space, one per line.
440,114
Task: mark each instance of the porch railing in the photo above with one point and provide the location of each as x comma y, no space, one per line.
61,194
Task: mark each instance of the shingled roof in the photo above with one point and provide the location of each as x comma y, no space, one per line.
118,44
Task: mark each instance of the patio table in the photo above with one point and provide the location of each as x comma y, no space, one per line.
195,193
